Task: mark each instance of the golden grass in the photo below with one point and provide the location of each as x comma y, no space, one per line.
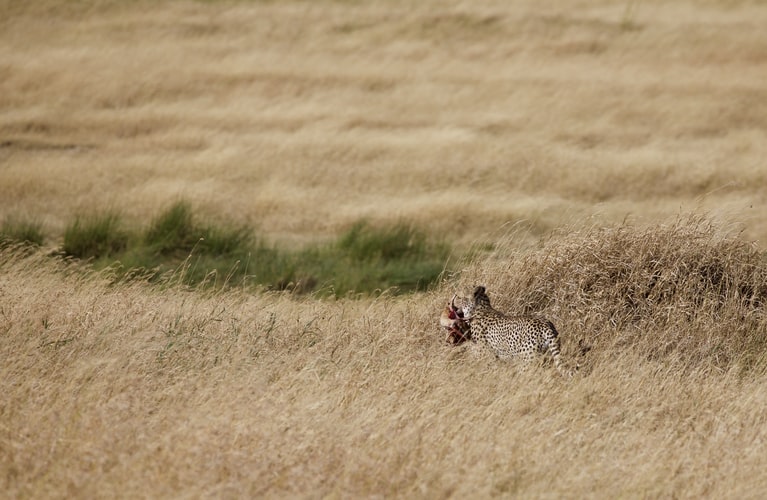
301,117
130,389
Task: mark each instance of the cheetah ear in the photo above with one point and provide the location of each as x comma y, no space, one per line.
479,291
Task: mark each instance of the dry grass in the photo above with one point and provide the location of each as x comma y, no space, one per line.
684,287
115,389
301,117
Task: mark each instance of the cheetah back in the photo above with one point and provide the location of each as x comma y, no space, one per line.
508,337
511,336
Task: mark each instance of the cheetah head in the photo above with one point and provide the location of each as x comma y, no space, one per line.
479,299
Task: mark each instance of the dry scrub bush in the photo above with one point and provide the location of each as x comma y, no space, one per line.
686,287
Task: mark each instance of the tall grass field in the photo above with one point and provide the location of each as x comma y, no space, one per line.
228,229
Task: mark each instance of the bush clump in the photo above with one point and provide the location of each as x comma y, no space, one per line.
684,287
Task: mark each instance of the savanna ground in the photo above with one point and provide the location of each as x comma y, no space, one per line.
562,140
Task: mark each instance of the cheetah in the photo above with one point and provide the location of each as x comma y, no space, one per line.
511,336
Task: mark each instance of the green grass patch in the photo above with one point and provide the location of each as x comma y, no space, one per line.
173,231
178,247
95,236
177,244
16,230
396,256
364,259
398,242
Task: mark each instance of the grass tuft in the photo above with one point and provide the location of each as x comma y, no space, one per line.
176,232
16,230
226,241
95,237
173,230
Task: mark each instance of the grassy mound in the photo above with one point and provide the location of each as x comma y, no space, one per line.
686,287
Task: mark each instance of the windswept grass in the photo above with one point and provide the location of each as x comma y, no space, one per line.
435,114
298,397
286,123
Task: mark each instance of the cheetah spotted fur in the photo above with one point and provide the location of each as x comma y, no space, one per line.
511,336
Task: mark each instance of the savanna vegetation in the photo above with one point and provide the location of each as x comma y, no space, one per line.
209,210
177,247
